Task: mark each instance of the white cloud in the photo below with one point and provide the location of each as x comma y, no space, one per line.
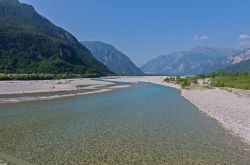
244,43
244,36
203,37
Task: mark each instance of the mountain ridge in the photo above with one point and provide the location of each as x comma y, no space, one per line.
195,61
33,44
113,58
240,63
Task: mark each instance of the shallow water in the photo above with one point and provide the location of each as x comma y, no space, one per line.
141,124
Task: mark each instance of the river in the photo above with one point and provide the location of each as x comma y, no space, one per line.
141,124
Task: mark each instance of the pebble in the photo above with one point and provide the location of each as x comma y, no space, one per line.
3,162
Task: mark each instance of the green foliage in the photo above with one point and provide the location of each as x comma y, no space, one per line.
188,81
212,75
183,81
114,59
26,77
239,80
5,77
32,44
233,80
170,79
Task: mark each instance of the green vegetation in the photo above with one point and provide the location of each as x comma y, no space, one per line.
183,81
232,80
239,80
114,59
26,77
31,44
5,77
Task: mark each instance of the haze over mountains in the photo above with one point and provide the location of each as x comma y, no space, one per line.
195,61
114,59
32,44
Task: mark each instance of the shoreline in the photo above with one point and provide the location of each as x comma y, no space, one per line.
230,109
40,86
36,90
232,112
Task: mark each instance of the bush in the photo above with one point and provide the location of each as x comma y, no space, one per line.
184,82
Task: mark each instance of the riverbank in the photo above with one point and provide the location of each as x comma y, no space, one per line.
20,91
150,79
39,86
230,107
49,86
142,123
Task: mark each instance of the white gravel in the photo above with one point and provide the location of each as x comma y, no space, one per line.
19,87
229,109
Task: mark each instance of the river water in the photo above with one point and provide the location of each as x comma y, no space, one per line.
142,124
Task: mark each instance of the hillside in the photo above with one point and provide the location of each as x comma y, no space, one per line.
114,59
195,61
241,63
32,44
240,67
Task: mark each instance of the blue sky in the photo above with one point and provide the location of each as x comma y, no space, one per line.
144,29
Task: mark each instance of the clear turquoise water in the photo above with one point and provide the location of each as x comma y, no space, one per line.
142,124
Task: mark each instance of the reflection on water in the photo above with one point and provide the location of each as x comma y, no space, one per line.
141,124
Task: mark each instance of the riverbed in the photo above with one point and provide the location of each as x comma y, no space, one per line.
143,123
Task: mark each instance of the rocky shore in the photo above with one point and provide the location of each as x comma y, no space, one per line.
20,91
230,107
39,86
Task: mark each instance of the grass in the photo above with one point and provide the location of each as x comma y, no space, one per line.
236,80
240,80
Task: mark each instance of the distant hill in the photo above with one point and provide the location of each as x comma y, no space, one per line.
32,44
195,61
241,62
114,59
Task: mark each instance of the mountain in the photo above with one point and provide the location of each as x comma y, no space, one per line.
32,44
241,62
241,57
195,61
114,59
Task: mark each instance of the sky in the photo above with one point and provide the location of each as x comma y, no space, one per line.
145,29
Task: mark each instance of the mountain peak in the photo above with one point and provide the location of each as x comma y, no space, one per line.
30,43
195,61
